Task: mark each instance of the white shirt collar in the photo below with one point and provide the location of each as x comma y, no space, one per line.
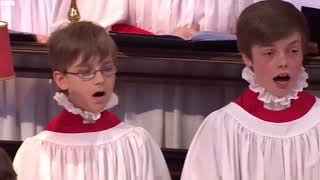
272,102
88,117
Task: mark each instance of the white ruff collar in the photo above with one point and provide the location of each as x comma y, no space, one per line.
88,117
272,102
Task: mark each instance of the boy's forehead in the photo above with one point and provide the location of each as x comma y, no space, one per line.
92,61
294,38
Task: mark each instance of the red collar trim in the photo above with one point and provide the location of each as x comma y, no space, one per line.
67,122
249,101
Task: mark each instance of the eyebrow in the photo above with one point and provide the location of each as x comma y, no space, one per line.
107,62
294,42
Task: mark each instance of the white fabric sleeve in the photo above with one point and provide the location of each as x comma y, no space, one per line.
26,162
104,12
202,161
153,163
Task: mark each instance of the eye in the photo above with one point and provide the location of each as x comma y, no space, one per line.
268,53
106,68
85,72
294,51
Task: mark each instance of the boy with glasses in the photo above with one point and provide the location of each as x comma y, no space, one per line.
86,141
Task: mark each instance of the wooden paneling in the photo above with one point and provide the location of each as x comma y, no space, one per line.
163,63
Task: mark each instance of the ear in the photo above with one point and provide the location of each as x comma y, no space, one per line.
246,60
60,80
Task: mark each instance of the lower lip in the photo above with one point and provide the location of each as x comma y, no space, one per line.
99,99
282,84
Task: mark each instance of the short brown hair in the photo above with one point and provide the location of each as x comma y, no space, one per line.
268,21
81,39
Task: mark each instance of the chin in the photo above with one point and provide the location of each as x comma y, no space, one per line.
98,109
281,93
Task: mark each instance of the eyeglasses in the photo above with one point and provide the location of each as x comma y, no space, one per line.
87,75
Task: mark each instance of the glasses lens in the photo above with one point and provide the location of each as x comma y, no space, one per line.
87,76
109,72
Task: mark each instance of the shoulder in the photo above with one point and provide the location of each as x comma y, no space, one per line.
226,113
316,103
31,142
135,132
217,122
28,151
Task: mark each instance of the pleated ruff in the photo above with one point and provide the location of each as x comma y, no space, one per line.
121,153
233,144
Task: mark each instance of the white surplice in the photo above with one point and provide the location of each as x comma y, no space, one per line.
259,137
156,16
103,12
124,152
232,144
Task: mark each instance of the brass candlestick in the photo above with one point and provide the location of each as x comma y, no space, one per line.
73,13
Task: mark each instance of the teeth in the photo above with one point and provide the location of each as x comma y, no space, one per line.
283,75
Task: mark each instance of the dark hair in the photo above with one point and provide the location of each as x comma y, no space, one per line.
80,39
6,170
268,21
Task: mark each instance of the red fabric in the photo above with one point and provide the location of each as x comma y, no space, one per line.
67,122
299,107
126,28
6,64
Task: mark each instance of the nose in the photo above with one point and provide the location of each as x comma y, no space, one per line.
282,61
99,78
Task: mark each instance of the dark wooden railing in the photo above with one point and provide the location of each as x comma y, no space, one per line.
158,59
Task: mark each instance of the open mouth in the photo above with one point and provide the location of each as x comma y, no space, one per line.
99,94
282,78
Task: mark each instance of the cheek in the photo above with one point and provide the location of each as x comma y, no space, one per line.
109,87
262,72
296,70
296,60
110,84
79,90
295,66
75,95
